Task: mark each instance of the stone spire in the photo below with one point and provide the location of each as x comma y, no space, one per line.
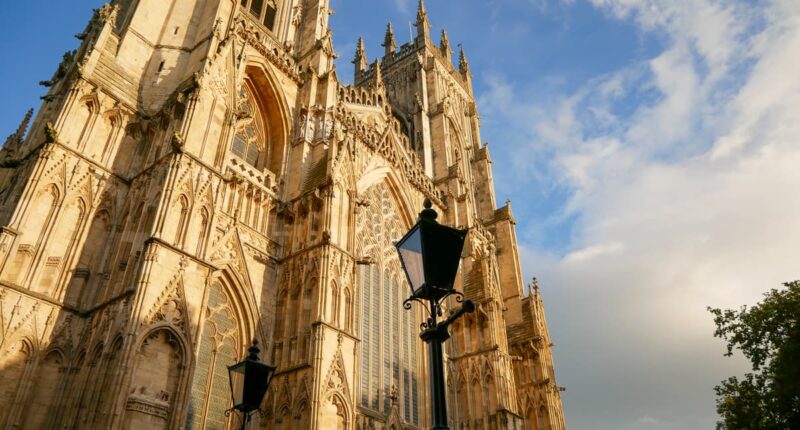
360,61
423,25
463,65
444,46
388,41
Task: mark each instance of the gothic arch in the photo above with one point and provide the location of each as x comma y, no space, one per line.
262,83
228,326
245,306
156,393
389,344
282,418
15,360
335,413
38,220
42,397
378,174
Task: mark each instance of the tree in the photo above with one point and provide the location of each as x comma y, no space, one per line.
768,334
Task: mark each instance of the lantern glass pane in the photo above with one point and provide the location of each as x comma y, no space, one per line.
237,373
443,247
410,250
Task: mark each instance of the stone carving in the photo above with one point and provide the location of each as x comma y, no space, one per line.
292,247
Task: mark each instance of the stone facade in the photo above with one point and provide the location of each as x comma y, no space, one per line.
198,177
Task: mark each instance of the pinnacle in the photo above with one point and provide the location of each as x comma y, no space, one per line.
389,41
361,51
19,134
421,12
463,64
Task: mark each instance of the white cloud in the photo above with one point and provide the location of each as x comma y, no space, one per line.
647,421
403,5
691,200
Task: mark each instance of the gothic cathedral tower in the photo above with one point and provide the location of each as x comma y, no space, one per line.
198,177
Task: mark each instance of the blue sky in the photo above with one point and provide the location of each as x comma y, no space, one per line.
650,150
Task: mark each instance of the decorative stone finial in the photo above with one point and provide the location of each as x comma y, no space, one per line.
361,53
360,61
422,14
388,41
535,285
463,64
444,46
423,26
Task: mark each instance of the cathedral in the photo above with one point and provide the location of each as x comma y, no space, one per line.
198,176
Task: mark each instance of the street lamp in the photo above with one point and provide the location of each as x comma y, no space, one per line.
430,254
249,380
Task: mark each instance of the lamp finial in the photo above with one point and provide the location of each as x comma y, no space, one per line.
254,350
428,214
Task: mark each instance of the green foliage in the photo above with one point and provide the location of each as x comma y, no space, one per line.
768,334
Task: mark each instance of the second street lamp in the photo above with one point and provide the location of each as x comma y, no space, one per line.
430,254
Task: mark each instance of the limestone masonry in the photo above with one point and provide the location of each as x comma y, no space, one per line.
198,177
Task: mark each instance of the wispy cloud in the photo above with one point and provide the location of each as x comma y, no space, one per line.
404,6
682,180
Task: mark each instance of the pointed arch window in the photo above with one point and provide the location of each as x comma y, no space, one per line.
220,341
249,142
264,11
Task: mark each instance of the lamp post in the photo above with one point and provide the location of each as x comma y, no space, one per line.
249,380
430,254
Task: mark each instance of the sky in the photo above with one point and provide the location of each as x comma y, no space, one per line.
651,153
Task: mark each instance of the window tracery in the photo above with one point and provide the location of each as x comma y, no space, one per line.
210,393
389,353
250,143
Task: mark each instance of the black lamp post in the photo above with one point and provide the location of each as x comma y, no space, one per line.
430,254
250,380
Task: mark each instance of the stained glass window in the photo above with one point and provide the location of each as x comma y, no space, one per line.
389,334
210,392
389,345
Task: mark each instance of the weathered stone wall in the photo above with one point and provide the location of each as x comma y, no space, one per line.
197,178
